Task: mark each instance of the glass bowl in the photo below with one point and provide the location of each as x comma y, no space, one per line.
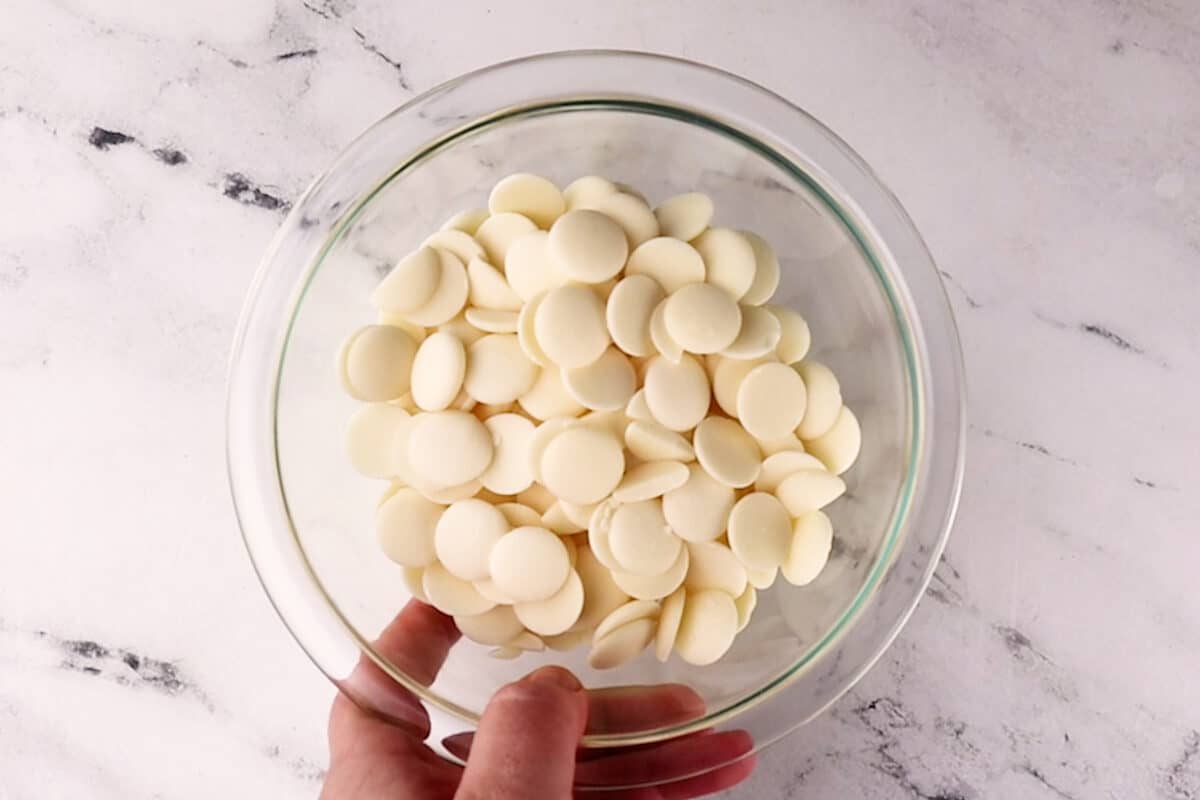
853,266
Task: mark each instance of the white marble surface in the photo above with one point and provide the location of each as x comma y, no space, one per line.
1049,151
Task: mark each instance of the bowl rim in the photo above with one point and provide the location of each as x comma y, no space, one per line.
935,314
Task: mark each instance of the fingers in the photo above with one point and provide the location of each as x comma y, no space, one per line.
714,781
673,760
630,709
525,745
417,642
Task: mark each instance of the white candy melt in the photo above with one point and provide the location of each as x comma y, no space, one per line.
376,363
677,394
812,539
587,246
437,371
450,295
727,452
759,531
410,284
405,525
371,437
465,535
838,447
685,216
728,260
640,540
529,564
531,195
630,306
671,263
606,384
498,232
582,464
699,510
449,448
824,399
771,401
510,471
702,318
497,369
570,326
707,627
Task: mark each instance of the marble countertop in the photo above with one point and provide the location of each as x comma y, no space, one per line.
1049,152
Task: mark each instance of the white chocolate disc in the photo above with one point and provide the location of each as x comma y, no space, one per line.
625,614
601,595
707,628
702,318
661,338
812,539
495,627
451,594
671,263
462,330
761,578
376,363
413,578
699,510
569,326
668,623
640,539
497,369
728,260
745,604
526,335
795,337
537,497
565,642
448,448
519,515
542,436
530,195
529,564
582,464
492,320
760,531
771,401
417,332
450,295
404,528
838,447
621,645
809,490
548,397
766,271
488,288
437,371
587,246
370,438
650,441
824,399
499,231
714,566
758,337
727,377
459,243
578,515
631,213
582,191
557,520
650,480
788,443
654,587
510,471
678,394
598,532
782,464
606,384
612,422
487,588
528,266
410,284
636,408
727,452
630,306
467,221
557,613
465,535
685,216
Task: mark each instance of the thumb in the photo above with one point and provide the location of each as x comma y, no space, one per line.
525,745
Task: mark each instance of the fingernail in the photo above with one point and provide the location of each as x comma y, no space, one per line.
556,676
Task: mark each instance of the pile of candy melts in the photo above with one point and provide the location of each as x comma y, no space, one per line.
597,428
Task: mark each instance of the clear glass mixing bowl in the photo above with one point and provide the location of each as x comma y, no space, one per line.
854,267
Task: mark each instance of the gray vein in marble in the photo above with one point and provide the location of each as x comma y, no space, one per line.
291,54
1031,446
374,50
125,667
240,188
1038,776
957,284
1183,775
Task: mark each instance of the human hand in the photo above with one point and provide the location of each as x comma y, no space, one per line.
527,743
